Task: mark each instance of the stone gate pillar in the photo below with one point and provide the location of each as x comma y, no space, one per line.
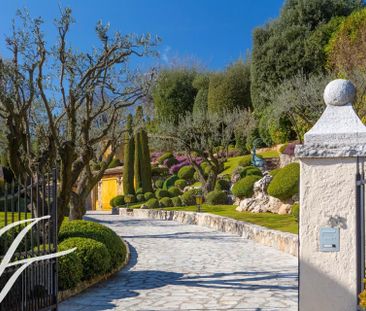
327,226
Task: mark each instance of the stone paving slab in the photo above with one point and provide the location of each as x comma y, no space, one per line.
186,267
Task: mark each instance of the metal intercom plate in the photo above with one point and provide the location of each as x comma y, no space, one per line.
329,239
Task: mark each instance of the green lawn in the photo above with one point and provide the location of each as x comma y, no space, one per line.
10,219
284,223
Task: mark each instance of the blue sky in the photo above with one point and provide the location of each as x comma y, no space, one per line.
211,32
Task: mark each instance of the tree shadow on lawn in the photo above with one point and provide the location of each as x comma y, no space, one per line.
127,283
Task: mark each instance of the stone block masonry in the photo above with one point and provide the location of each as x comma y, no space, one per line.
283,241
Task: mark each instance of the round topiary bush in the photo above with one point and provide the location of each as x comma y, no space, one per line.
177,201
149,195
186,172
139,191
250,170
295,211
222,184
94,256
70,269
140,197
244,187
152,203
159,183
165,156
180,183
170,162
169,182
274,172
216,197
159,171
119,200
189,197
166,202
98,232
174,192
286,182
130,198
161,193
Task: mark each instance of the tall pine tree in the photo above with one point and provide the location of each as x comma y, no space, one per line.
128,166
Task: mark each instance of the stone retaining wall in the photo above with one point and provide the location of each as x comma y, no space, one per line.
285,242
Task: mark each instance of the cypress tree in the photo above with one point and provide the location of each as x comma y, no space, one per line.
128,168
138,150
145,163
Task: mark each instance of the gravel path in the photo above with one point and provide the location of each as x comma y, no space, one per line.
185,267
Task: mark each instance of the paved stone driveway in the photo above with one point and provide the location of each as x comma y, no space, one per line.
187,267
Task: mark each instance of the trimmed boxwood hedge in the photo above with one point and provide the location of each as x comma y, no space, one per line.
174,192
189,197
70,268
165,156
159,183
140,197
250,170
216,197
244,187
169,182
222,184
149,195
94,256
161,193
274,172
186,172
286,182
177,201
170,162
152,203
295,211
180,183
117,201
166,202
98,232
130,198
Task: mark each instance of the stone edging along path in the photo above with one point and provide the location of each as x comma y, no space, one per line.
283,241
63,295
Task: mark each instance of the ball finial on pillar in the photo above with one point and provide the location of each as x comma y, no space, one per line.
339,92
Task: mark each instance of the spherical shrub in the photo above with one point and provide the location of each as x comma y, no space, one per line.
149,195
70,269
186,172
118,200
166,202
170,162
161,193
130,198
180,183
94,256
159,183
169,182
139,191
98,232
244,187
216,197
174,192
222,184
165,156
140,197
295,211
286,182
189,197
152,203
196,176
177,201
274,172
159,171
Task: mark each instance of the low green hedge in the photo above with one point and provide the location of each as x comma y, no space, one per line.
159,171
161,193
169,182
165,202
186,172
152,203
98,232
222,184
274,172
177,201
244,187
140,197
286,182
180,183
94,256
70,268
216,197
295,211
189,197
130,198
159,183
164,156
139,191
250,170
149,195
246,161
174,192
117,201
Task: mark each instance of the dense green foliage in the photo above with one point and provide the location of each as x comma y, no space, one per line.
159,183
94,256
165,202
129,153
189,197
162,193
250,170
295,211
152,203
180,183
117,201
159,171
222,184
174,191
230,89
136,165
177,201
286,182
165,156
149,195
145,162
70,268
170,181
201,84
186,172
244,187
140,197
98,232
216,197
174,93
130,198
